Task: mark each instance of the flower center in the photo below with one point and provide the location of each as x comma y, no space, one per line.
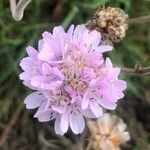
61,98
72,68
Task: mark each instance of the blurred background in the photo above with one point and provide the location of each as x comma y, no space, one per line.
18,129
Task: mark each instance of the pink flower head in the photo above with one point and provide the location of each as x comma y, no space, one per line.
71,78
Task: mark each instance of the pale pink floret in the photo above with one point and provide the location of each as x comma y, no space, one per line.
71,78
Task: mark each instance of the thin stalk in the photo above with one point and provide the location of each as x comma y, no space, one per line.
138,72
139,20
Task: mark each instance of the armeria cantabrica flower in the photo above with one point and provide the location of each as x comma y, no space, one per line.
70,77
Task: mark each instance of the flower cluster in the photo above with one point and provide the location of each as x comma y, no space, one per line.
70,77
108,133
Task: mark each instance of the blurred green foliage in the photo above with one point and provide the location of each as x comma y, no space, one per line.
43,15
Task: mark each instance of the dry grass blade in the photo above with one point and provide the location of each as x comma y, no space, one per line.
11,125
18,10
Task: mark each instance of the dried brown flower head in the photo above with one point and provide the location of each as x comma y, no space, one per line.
107,133
111,22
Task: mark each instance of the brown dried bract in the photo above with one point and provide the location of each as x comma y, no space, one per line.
111,23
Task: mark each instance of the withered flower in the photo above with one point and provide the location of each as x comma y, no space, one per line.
107,133
110,22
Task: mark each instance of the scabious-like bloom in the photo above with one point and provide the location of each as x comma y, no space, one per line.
107,133
70,77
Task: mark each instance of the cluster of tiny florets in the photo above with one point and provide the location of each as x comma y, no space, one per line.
71,78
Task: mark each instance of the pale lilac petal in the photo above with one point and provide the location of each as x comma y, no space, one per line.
47,35
28,84
70,30
93,82
34,100
46,54
120,85
57,31
108,63
59,109
78,32
88,73
58,73
41,108
37,81
77,123
104,48
40,45
25,76
46,115
32,52
85,101
64,123
46,69
51,71
52,86
44,83
57,126
115,72
88,113
95,38
107,104
96,109
26,63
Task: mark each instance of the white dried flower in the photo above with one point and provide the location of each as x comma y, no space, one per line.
108,133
